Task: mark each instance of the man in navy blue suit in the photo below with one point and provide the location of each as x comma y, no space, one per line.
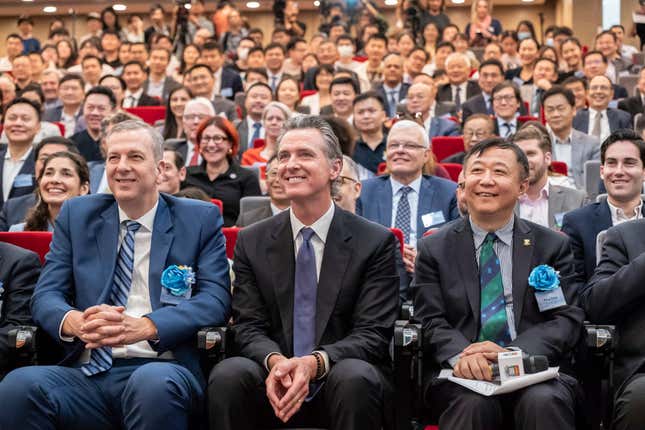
421,101
622,158
406,198
129,280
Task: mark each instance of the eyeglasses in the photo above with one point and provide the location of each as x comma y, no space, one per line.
345,179
217,139
479,134
506,99
194,116
393,146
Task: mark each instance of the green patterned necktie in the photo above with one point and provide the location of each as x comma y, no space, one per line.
494,325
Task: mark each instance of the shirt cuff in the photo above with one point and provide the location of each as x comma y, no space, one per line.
266,360
60,330
453,360
325,357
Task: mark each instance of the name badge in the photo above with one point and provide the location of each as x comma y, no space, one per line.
23,180
551,299
227,92
432,218
169,299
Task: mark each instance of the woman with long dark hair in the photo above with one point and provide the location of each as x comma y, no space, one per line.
173,123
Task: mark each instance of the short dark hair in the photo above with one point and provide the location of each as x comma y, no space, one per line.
572,39
622,27
563,30
55,140
262,71
211,45
606,33
109,32
346,81
13,36
292,43
23,100
72,77
492,62
256,49
259,84
118,78
419,48
594,52
134,63
559,89
91,57
197,66
500,143
179,161
367,96
346,36
620,135
322,68
507,84
377,36
100,89
575,80
274,45
445,43
33,87
553,63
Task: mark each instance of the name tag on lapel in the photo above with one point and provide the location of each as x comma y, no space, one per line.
23,180
551,299
558,220
432,218
227,92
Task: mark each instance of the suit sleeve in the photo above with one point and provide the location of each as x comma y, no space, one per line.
251,186
442,341
20,280
616,287
251,316
376,309
559,333
453,130
577,247
210,302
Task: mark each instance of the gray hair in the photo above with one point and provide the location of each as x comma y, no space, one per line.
116,118
137,125
201,101
332,147
351,165
457,56
280,106
406,124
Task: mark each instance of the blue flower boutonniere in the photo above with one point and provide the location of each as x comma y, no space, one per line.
178,280
545,281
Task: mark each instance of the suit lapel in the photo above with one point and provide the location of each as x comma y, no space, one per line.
464,252
523,244
603,216
162,237
556,204
336,257
107,240
280,253
384,205
426,195
3,152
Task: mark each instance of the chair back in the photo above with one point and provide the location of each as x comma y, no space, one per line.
36,241
445,146
399,235
453,169
592,178
250,203
559,167
149,114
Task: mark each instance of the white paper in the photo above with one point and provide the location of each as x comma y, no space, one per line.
638,18
486,388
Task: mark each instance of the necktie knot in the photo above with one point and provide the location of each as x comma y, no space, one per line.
307,233
257,125
132,226
405,191
490,239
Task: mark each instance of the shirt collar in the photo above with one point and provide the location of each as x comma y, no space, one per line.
147,220
388,89
504,234
320,226
276,210
137,94
415,185
544,194
557,140
617,212
7,155
595,112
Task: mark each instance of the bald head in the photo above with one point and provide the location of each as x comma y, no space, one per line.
420,98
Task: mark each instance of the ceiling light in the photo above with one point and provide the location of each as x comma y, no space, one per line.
187,6
119,7
316,3
253,4
528,1
391,2
28,1
50,9
457,1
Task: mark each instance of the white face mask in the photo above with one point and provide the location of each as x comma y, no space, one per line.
549,42
243,53
346,51
524,35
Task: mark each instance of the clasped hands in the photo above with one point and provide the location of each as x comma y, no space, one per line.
475,360
105,325
287,385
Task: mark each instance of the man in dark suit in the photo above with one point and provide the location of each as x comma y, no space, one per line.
277,202
392,90
313,336
134,76
622,158
71,91
461,334
19,270
99,104
258,95
477,127
614,296
159,85
118,295
21,122
634,105
491,73
506,104
599,119
421,101
199,80
459,89
15,209
595,64
227,83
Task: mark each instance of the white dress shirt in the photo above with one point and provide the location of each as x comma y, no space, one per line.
463,88
69,121
537,210
605,131
249,123
562,148
618,216
276,210
131,99
155,89
217,87
10,171
190,151
413,200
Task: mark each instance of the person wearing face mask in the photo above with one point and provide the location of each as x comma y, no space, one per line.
346,47
525,30
241,64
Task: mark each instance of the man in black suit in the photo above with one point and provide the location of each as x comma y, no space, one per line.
315,333
634,105
227,82
258,95
392,90
459,89
99,104
69,113
622,158
134,76
199,80
491,73
277,202
461,334
614,295
19,270
21,122
595,64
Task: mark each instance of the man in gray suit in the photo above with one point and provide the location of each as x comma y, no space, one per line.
543,203
158,83
277,202
569,145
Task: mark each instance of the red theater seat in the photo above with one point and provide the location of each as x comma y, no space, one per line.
453,169
150,114
399,235
36,241
219,204
381,169
560,167
445,146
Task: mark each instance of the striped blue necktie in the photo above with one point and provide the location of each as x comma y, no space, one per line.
101,358
403,215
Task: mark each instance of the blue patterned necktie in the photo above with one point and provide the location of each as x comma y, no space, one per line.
101,358
304,303
509,129
494,323
392,104
403,217
256,132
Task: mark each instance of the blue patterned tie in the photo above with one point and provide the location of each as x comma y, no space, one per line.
101,358
256,132
304,302
392,104
494,323
403,217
